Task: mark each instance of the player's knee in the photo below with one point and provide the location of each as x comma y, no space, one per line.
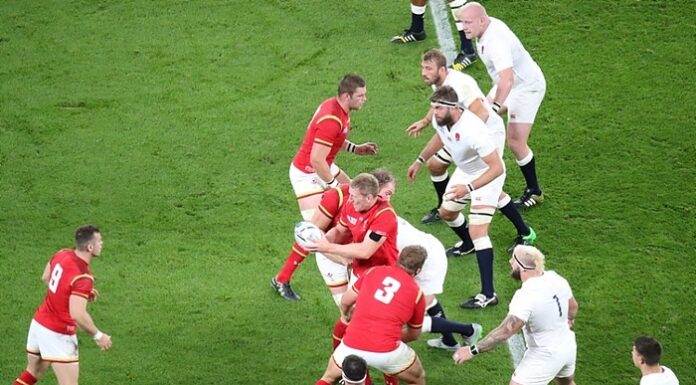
447,214
483,243
481,216
436,167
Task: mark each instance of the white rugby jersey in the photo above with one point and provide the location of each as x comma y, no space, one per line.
542,302
468,141
499,48
667,377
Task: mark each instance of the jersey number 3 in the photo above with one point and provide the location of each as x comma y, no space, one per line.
389,288
55,278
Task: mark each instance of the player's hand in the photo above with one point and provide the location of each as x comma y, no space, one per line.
457,191
321,245
571,322
368,148
416,128
462,354
413,171
104,342
93,295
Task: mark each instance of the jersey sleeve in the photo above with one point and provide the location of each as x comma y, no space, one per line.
328,129
82,285
384,222
416,321
520,306
330,204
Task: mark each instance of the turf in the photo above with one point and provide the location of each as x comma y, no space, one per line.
172,125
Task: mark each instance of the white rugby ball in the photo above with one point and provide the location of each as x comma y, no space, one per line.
307,233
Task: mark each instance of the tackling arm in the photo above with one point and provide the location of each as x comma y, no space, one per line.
362,250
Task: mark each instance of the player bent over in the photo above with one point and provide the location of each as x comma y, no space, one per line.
379,305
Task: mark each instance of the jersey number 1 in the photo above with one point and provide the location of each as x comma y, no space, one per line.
389,288
55,278
560,312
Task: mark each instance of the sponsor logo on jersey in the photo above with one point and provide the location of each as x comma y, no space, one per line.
352,220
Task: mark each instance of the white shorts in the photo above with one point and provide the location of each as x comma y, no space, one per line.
391,363
431,279
334,274
305,184
51,346
524,101
487,195
540,366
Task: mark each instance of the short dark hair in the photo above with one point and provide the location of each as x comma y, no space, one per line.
354,368
436,56
412,258
444,93
648,348
383,176
350,83
84,235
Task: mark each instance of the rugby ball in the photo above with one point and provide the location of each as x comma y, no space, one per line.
306,233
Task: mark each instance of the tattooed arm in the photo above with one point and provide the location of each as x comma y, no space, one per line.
507,329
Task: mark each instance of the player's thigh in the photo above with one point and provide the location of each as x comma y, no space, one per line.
566,374
308,188
36,366
431,279
523,103
392,363
538,367
489,194
67,373
52,346
414,374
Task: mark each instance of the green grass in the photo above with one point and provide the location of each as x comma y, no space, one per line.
171,125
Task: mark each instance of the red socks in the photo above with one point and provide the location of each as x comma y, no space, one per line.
25,379
338,331
297,255
321,382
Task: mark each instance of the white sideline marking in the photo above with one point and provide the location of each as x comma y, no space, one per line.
440,12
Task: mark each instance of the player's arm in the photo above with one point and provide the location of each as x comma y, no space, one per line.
505,79
78,312
337,234
347,301
416,127
414,327
509,327
479,109
495,169
572,311
321,220
317,158
367,148
362,250
46,275
431,148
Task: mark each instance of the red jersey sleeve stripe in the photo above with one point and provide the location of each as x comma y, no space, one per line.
340,198
332,117
344,224
326,212
323,142
385,210
420,294
80,277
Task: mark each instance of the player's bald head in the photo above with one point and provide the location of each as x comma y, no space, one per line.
529,258
474,9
